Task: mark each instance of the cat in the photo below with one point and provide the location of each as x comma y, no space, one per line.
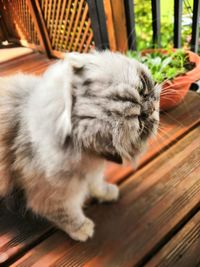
58,129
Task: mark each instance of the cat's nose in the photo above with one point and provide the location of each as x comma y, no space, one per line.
144,115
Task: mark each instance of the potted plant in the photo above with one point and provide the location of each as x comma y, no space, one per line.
174,69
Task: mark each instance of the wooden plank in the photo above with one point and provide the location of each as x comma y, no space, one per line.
110,25
183,249
119,19
88,43
67,17
7,54
48,21
83,39
53,12
58,54
116,25
28,64
71,23
60,24
83,18
8,65
76,21
40,25
174,124
56,23
153,203
45,10
18,233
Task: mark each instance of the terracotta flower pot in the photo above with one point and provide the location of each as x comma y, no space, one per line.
174,91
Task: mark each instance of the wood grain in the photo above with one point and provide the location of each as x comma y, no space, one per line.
153,202
33,63
184,248
18,232
110,25
116,25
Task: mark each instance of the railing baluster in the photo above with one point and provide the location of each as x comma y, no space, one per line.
195,25
178,6
97,16
102,21
155,4
130,23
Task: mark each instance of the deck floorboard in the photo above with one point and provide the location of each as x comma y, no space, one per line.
184,248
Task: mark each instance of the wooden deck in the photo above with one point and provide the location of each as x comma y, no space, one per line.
156,222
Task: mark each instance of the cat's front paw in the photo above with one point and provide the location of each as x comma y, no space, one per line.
85,231
111,193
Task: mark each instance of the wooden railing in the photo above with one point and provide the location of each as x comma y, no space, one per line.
58,26
17,23
51,26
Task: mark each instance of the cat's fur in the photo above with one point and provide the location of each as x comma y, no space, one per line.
58,129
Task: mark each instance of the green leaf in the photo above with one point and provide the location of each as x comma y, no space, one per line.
166,62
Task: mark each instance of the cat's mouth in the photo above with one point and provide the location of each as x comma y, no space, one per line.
116,158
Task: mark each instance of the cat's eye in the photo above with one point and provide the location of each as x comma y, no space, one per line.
87,82
125,99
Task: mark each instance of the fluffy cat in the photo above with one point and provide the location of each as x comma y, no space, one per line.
58,129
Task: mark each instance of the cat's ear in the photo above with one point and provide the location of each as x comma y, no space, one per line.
76,60
56,100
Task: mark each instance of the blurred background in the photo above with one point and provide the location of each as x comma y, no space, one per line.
55,26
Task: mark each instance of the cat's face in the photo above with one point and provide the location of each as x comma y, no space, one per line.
116,105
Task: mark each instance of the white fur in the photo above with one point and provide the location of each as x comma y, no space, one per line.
50,103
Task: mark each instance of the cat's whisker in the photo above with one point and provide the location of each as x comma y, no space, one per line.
164,133
159,139
129,36
163,127
170,99
172,91
177,84
168,115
